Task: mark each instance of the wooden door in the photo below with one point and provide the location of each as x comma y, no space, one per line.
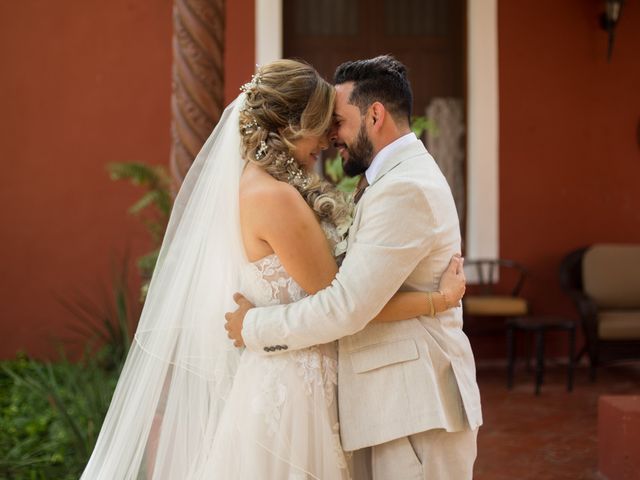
426,35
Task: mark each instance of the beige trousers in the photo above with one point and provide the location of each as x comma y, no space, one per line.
431,455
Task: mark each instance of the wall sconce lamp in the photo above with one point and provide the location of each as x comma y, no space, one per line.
609,20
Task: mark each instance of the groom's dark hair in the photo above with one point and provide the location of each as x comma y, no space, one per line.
381,79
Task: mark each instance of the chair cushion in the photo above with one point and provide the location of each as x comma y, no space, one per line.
610,275
619,325
494,305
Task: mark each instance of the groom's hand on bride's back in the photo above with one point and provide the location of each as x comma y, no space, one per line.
234,320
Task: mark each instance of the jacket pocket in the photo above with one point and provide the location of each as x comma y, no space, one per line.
382,354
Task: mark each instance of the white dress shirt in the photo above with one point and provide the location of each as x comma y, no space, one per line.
385,153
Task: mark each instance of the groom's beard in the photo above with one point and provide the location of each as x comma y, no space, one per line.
360,154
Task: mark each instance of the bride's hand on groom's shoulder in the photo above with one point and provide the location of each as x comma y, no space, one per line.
235,319
453,282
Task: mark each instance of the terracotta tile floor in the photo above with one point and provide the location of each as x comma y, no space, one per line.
552,436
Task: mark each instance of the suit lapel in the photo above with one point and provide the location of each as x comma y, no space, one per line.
414,149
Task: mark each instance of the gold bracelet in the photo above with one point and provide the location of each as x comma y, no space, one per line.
432,310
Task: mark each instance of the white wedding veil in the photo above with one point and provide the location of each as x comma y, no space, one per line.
172,389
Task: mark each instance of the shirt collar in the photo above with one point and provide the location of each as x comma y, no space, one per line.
372,172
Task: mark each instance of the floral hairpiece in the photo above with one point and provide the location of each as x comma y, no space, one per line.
249,127
262,150
256,79
296,176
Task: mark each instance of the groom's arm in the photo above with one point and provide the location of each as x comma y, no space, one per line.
396,232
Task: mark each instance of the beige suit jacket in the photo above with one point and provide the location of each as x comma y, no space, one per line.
400,378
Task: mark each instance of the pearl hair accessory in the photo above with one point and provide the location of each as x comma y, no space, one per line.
250,127
262,150
255,81
296,176
249,89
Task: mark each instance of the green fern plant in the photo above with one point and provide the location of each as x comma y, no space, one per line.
154,207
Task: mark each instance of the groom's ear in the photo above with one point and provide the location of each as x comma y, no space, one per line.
378,113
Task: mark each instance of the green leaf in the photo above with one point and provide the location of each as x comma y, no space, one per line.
421,124
147,263
348,184
146,200
139,174
50,415
156,202
333,169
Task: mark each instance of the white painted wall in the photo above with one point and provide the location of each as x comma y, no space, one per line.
268,31
482,137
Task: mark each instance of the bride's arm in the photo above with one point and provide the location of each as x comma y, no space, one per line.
280,217
406,305
284,221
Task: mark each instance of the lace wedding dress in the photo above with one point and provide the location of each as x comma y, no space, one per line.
188,404
281,421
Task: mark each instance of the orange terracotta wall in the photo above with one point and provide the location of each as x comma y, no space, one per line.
82,84
239,57
569,153
87,83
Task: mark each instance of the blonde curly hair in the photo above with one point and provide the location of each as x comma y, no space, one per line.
288,100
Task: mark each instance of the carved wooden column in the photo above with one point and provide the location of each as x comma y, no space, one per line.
197,100
447,147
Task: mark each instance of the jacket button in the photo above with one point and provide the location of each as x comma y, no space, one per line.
284,347
266,349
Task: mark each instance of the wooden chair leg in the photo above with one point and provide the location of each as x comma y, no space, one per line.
572,346
529,352
581,354
511,355
593,365
539,359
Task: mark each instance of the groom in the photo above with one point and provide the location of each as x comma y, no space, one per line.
407,390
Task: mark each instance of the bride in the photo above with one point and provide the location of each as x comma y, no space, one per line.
251,216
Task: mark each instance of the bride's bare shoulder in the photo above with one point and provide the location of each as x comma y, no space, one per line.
259,191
